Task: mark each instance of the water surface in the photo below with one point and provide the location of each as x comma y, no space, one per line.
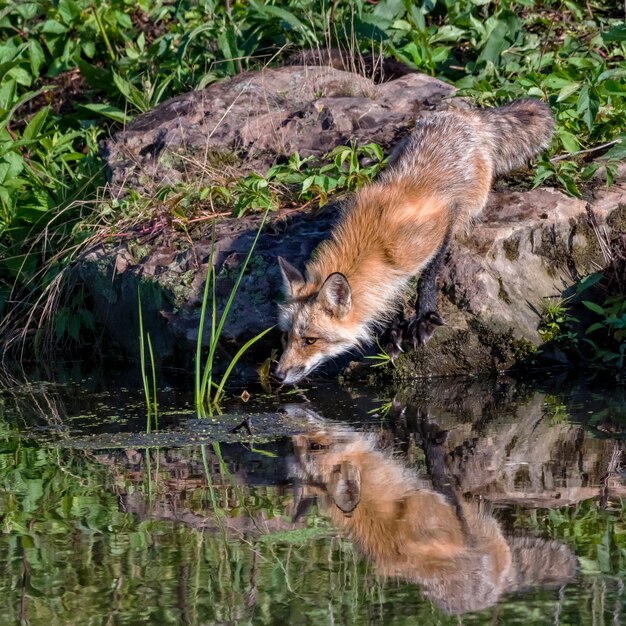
488,501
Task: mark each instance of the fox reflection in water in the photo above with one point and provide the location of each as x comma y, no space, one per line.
453,549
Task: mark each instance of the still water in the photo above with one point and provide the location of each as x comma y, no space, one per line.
494,501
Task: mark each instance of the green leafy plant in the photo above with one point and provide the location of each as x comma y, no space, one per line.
555,410
556,322
606,337
344,173
381,357
610,332
300,180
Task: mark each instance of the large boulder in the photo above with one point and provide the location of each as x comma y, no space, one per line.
257,117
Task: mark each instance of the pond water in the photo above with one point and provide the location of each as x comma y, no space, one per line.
443,502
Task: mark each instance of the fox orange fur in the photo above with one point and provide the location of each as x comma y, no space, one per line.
458,554
438,179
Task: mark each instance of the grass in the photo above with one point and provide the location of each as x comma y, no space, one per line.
381,358
207,392
150,392
74,71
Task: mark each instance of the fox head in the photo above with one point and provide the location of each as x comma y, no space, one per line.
317,322
328,459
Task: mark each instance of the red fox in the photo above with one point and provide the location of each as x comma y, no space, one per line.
437,180
455,552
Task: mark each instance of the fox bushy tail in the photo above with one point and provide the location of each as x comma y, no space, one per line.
517,132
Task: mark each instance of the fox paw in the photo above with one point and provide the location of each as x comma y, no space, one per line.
422,328
394,337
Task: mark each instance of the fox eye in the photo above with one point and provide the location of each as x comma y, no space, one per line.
310,340
316,446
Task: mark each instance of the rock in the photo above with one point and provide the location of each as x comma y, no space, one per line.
517,441
252,119
528,245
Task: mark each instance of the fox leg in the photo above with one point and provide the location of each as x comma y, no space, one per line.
394,335
431,439
422,325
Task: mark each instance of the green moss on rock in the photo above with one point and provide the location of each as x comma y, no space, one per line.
585,251
502,293
511,249
617,220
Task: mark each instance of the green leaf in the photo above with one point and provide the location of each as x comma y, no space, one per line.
26,10
123,86
618,151
227,44
108,110
569,141
68,11
614,88
54,28
448,33
14,163
130,92
594,327
287,17
589,281
389,10
574,8
567,180
21,76
500,38
36,56
96,77
33,129
615,34
588,105
567,91
592,306
589,171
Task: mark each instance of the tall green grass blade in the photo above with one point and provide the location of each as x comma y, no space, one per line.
155,407
231,365
199,380
207,378
213,320
229,302
204,377
151,403
142,357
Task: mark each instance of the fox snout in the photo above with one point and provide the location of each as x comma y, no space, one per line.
288,375
297,361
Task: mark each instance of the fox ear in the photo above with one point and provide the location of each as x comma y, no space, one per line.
336,294
292,277
344,487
